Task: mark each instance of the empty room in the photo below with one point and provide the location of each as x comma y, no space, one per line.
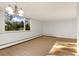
38,29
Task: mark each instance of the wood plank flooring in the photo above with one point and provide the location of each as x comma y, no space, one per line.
37,47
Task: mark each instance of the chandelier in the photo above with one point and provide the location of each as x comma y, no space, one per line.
15,11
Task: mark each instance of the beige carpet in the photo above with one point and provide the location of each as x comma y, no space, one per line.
36,47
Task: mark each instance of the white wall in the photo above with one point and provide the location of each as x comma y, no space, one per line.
78,28
7,37
63,28
1,22
78,35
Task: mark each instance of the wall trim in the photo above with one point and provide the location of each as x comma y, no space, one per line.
26,39
17,42
58,36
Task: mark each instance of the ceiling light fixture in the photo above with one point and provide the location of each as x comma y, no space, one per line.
15,11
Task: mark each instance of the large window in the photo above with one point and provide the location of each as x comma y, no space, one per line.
15,21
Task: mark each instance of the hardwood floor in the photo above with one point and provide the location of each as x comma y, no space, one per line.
37,47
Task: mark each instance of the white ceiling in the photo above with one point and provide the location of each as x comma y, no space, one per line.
47,11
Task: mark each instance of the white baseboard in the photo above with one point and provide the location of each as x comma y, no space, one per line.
23,40
59,36
17,42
